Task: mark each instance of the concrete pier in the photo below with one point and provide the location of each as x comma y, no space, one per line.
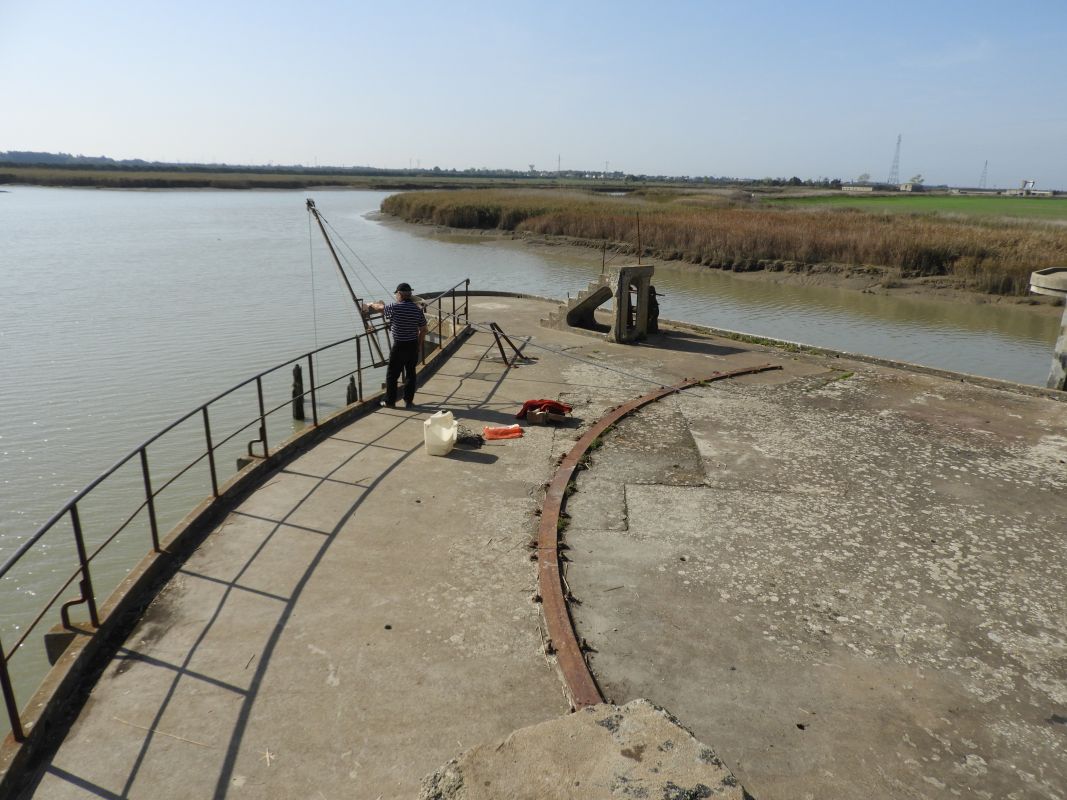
846,579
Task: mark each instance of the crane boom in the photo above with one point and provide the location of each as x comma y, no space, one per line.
368,317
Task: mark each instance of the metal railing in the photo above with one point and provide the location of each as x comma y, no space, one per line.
437,319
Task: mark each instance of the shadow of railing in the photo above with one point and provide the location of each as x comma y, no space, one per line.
91,544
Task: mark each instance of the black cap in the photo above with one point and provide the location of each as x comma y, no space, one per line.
404,287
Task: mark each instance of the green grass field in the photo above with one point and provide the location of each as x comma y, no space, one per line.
1042,208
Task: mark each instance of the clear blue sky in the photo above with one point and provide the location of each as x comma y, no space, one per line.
737,88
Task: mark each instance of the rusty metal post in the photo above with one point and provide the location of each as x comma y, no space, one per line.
359,370
210,454
498,332
311,379
455,327
86,582
9,699
262,416
298,393
499,345
149,500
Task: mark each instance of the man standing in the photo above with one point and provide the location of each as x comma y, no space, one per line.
407,326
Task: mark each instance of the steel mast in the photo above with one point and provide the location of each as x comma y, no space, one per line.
368,317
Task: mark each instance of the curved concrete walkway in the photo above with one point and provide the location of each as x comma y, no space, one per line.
366,615
359,620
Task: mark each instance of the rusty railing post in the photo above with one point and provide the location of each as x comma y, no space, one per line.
9,699
149,499
311,379
210,454
298,393
440,323
262,416
359,370
86,582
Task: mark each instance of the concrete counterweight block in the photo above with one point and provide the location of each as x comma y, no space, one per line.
1053,282
631,316
629,288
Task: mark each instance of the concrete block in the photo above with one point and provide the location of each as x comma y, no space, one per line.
636,750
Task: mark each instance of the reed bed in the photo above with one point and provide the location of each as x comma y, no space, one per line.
988,255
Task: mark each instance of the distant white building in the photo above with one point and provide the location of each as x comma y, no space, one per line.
854,187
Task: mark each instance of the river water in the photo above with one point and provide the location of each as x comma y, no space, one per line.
122,310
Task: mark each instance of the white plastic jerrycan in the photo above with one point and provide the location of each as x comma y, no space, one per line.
439,432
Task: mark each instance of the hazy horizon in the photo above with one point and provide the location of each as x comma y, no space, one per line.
745,90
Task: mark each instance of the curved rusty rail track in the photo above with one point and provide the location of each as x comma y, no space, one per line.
580,685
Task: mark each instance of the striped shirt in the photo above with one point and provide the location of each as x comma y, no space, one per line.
405,319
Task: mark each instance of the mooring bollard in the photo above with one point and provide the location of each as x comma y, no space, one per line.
1053,282
298,393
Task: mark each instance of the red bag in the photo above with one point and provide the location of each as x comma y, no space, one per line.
551,406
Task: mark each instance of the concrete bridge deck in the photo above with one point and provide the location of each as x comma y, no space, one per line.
847,579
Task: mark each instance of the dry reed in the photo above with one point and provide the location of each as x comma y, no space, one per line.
989,255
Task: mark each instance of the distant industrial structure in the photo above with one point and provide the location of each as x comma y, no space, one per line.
1026,189
864,185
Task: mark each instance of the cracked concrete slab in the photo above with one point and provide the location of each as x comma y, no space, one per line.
863,594
634,751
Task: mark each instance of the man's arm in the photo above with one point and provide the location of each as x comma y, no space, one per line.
378,305
422,336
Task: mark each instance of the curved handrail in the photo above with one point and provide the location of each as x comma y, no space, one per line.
70,507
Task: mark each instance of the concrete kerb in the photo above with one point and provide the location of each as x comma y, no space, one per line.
64,689
808,349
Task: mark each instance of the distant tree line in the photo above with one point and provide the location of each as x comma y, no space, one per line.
27,158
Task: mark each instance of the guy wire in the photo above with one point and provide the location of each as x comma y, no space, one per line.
311,262
366,289
360,260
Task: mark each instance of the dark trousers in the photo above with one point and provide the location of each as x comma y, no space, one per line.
402,358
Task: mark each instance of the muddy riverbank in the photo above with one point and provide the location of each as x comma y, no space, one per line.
868,279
